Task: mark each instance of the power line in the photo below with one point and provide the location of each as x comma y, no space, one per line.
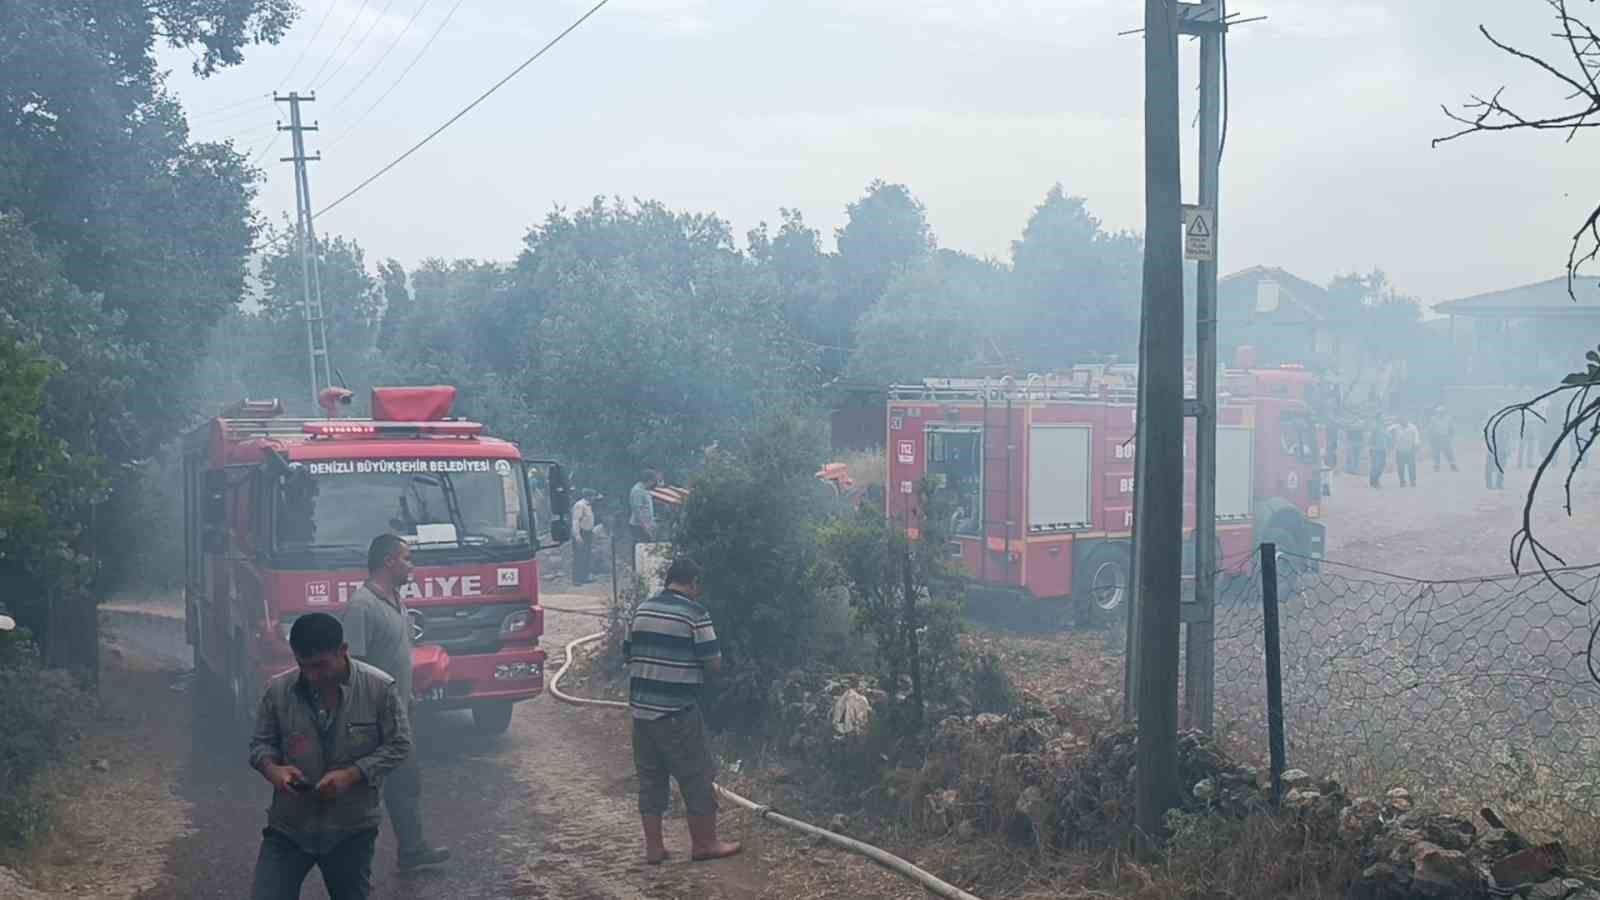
356,50
308,45
224,118
468,108
256,157
406,71
208,113
342,38
382,59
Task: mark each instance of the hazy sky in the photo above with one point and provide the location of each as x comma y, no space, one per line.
978,106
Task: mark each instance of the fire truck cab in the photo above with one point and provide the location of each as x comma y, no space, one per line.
1040,476
278,516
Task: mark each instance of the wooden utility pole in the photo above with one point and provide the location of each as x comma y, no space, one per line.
1158,518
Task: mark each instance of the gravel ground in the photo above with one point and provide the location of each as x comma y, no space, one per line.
546,810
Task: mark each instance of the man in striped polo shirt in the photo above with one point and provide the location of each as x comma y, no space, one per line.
670,647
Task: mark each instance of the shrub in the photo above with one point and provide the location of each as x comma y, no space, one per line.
750,521
907,597
987,684
37,710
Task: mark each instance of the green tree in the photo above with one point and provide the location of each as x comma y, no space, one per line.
807,285
96,160
396,302
1077,286
61,387
647,336
938,318
352,307
1389,323
886,232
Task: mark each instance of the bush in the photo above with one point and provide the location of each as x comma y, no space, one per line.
750,521
989,687
37,710
907,597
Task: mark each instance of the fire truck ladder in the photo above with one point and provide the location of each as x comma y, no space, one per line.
1004,449
1035,388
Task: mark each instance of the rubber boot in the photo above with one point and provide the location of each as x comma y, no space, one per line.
655,848
705,844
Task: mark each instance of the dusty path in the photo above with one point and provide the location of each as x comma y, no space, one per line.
546,810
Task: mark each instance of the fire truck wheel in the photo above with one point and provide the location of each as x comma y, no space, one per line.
1104,587
1289,565
492,718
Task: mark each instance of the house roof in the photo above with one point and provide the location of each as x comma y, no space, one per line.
1305,297
1541,300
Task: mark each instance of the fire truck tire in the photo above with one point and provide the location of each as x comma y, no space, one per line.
1103,587
492,718
1289,565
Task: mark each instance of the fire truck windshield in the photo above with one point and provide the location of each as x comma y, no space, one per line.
470,507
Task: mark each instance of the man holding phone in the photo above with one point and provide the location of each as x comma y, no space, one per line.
326,735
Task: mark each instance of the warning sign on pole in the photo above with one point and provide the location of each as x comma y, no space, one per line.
1199,233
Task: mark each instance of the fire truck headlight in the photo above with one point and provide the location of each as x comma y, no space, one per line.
514,622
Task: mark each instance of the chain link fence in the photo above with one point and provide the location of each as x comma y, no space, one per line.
1467,692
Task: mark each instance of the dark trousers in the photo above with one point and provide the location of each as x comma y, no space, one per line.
1352,455
1405,462
1380,461
282,867
402,794
674,747
583,557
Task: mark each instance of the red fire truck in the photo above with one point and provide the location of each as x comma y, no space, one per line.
278,515
1040,475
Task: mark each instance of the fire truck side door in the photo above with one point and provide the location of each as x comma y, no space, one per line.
214,511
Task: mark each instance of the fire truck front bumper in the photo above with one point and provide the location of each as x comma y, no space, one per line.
510,675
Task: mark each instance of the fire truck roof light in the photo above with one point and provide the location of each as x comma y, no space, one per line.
379,429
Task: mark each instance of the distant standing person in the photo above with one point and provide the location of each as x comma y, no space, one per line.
583,539
379,631
1379,443
1406,441
326,735
670,647
1442,438
641,513
1352,453
1495,456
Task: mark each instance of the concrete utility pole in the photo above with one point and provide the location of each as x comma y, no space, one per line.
1200,659
1158,518
310,280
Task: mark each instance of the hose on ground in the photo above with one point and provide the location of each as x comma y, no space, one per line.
927,880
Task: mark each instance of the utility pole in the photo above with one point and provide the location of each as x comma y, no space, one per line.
1200,659
1158,517
310,280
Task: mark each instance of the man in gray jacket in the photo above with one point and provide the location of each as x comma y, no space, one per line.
379,633
325,737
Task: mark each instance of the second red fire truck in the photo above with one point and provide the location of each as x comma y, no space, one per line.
1040,478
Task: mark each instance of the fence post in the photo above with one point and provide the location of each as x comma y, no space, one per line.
1269,626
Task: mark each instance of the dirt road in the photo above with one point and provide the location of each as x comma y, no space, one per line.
544,811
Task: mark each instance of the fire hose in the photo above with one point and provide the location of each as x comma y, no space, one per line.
928,881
